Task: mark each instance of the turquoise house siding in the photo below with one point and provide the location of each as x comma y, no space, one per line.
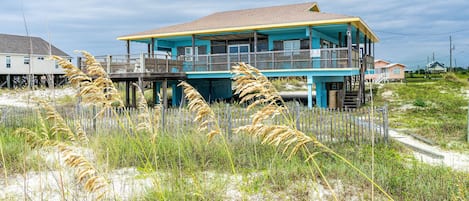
213,89
326,57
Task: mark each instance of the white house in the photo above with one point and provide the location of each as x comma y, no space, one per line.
436,67
17,60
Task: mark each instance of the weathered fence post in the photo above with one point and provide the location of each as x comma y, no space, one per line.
297,116
468,124
230,126
94,118
163,117
385,124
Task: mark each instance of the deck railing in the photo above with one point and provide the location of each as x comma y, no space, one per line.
369,62
268,60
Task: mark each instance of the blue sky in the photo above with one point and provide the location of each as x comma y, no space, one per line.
409,31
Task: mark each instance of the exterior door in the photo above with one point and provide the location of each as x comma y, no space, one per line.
238,53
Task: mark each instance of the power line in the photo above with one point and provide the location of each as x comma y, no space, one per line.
420,34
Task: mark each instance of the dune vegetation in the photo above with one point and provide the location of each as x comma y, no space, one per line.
262,160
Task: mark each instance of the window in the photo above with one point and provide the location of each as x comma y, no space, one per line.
291,47
40,58
188,55
26,60
8,61
396,71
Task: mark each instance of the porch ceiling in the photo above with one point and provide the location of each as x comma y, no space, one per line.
333,30
231,36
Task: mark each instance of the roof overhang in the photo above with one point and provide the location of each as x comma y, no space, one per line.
355,21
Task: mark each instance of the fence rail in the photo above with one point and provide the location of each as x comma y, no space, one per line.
327,125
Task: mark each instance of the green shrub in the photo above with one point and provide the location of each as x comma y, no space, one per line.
419,103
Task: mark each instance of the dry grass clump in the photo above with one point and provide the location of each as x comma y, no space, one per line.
75,76
205,115
95,87
147,121
256,90
85,172
60,135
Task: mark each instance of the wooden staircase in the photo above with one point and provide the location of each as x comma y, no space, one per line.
351,95
351,100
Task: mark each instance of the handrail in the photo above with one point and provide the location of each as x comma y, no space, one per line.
266,60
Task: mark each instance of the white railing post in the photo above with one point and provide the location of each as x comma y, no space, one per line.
273,60
108,63
142,62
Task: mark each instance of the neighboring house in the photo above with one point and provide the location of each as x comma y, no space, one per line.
436,67
387,71
282,41
17,60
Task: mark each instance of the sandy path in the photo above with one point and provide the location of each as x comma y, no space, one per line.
432,154
24,98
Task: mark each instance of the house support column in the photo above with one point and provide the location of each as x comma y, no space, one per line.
134,96
321,94
175,95
165,93
149,49
128,50
152,52
156,92
340,39
193,52
127,93
310,91
9,81
362,65
255,49
357,42
349,44
369,46
365,51
310,46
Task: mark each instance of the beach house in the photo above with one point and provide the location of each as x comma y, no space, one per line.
332,51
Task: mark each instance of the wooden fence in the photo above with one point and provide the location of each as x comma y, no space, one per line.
328,125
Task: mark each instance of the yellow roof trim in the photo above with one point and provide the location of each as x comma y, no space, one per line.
357,22
366,29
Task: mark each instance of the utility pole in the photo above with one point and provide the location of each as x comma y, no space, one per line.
450,52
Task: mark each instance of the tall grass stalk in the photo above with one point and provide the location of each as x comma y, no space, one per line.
372,144
60,135
254,88
5,171
206,117
96,88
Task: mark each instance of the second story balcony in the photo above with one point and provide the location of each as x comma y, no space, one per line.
326,58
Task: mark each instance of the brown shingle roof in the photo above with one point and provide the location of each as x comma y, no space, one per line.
21,45
257,18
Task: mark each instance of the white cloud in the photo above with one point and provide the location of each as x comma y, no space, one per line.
409,30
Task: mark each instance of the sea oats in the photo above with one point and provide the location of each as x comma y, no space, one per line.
205,115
